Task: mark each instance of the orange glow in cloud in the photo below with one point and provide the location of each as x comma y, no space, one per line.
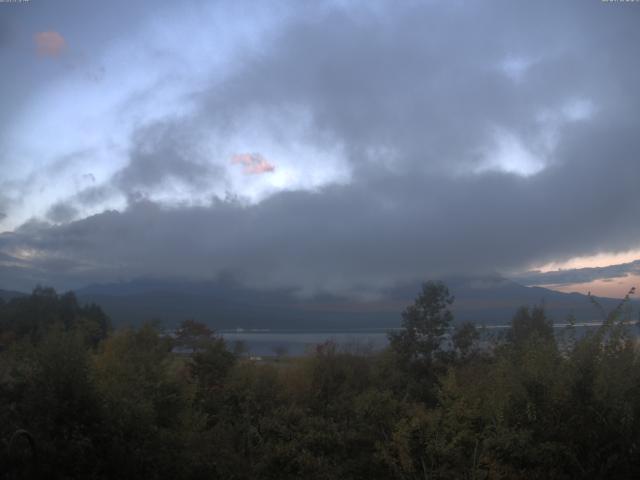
49,44
598,260
609,287
616,287
254,163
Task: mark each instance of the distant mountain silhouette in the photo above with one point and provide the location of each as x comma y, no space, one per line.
8,294
493,300
226,304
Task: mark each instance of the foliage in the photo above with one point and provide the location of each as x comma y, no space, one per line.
424,324
528,323
30,318
439,403
417,346
464,340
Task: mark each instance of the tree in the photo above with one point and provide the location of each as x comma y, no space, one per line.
424,324
193,335
145,403
240,348
464,337
416,354
33,316
211,364
528,323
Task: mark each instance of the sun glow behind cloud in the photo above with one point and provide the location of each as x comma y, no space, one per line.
598,260
609,287
512,153
509,154
616,286
253,163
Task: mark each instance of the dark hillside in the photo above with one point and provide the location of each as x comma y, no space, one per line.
226,304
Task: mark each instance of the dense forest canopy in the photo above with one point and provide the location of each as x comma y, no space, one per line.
80,400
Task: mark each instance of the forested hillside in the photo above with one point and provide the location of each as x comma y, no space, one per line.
91,402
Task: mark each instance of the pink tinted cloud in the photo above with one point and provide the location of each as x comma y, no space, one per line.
49,44
253,163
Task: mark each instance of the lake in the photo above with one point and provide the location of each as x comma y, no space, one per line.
298,342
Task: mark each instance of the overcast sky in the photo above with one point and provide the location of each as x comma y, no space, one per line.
330,146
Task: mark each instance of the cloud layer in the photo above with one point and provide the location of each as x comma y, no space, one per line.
409,143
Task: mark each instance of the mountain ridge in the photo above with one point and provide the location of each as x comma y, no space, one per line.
226,304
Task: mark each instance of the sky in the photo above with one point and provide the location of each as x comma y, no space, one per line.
336,146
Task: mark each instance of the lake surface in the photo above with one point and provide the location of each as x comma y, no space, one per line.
297,342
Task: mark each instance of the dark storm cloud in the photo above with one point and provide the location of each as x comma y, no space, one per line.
95,195
14,192
62,212
4,207
162,152
414,95
163,155
338,238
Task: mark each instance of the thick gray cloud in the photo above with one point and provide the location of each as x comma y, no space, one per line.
356,236
4,204
481,137
62,212
162,152
424,84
